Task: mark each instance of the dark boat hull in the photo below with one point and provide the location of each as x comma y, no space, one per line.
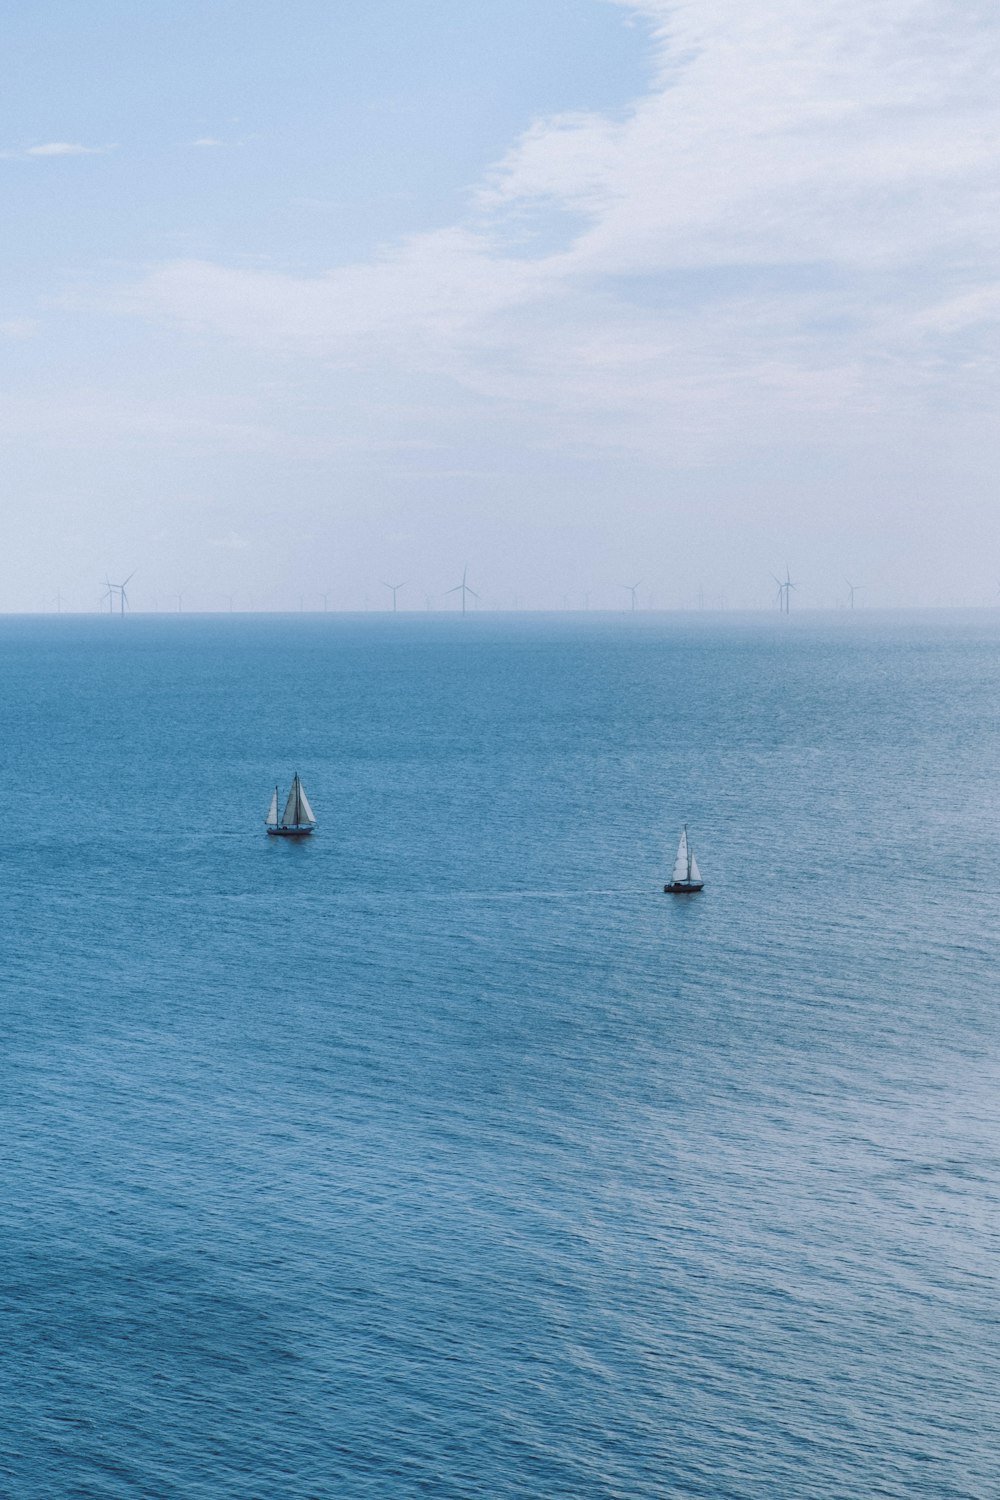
683,888
296,832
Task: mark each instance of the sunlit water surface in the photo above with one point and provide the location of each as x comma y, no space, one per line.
443,1155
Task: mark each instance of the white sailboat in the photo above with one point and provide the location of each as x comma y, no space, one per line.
686,877
297,818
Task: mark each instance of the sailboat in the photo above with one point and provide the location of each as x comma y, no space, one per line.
297,818
686,877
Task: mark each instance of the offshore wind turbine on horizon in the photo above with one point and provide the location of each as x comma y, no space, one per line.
785,587
632,588
119,589
463,588
852,589
394,589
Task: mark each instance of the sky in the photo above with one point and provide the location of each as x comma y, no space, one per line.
300,299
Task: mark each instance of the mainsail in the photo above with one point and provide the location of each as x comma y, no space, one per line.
308,816
681,862
272,813
297,810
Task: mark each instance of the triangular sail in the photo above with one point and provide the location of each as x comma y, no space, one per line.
681,862
297,810
695,872
272,813
307,814
290,817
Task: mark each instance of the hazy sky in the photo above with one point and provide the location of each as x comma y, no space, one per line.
297,298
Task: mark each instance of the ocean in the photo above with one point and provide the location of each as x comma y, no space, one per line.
441,1154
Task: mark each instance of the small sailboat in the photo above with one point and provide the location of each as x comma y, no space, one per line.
686,877
298,817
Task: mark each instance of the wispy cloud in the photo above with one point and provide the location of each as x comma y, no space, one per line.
67,148
57,148
797,219
233,541
207,140
18,328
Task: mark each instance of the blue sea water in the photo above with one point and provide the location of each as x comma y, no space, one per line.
442,1154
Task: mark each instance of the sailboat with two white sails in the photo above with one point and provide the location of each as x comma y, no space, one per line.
298,817
686,878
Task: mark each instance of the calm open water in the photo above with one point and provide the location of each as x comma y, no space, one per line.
442,1155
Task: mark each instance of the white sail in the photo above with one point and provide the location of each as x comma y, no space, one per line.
272,813
290,816
681,862
695,872
297,810
306,813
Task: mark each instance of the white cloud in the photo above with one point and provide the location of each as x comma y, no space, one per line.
66,148
231,542
207,140
798,219
72,419
18,328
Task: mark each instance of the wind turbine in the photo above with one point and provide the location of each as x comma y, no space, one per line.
785,587
632,589
394,589
463,589
853,588
119,589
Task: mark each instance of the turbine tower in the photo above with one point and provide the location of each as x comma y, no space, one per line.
632,588
785,586
462,588
852,589
116,588
394,589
